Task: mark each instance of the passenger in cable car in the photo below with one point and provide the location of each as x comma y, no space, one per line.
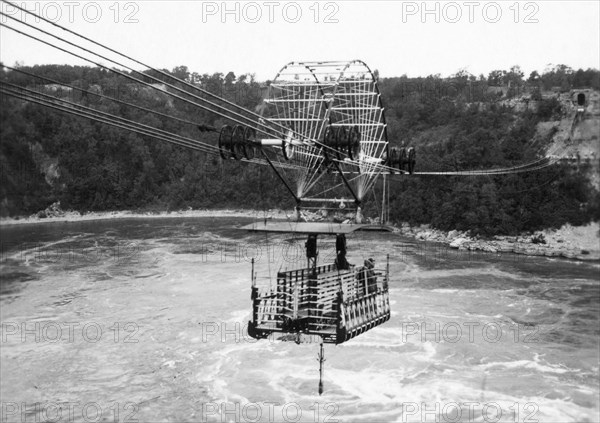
371,278
340,246
366,277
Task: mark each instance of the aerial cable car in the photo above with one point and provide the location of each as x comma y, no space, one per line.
335,122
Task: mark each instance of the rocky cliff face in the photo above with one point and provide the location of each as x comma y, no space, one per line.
575,137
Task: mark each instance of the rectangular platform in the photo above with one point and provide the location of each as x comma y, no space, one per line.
327,228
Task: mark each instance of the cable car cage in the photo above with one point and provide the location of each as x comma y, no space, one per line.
335,302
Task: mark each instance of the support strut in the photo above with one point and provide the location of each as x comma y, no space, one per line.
356,199
281,177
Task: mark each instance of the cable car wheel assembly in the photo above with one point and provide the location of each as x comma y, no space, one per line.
238,142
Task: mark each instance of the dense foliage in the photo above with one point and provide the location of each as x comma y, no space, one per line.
456,123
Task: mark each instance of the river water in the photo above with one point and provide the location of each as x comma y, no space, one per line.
143,320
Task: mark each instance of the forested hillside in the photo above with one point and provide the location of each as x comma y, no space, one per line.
457,123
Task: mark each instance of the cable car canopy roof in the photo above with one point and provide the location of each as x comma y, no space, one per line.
327,228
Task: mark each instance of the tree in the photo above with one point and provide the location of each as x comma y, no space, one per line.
496,78
534,77
514,77
230,78
181,72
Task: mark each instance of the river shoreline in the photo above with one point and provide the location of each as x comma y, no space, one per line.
571,242
67,217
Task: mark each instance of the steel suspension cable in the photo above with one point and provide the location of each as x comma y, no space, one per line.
266,128
96,115
208,93
33,96
262,128
101,96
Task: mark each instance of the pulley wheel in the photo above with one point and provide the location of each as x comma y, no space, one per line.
402,158
237,143
225,142
354,143
330,139
250,143
412,159
342,137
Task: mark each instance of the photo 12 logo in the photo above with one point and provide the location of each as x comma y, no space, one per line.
269,11
68,332
470,11
55,412
470,411
269,412
70,11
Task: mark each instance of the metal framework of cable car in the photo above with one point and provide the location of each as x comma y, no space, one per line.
334,123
